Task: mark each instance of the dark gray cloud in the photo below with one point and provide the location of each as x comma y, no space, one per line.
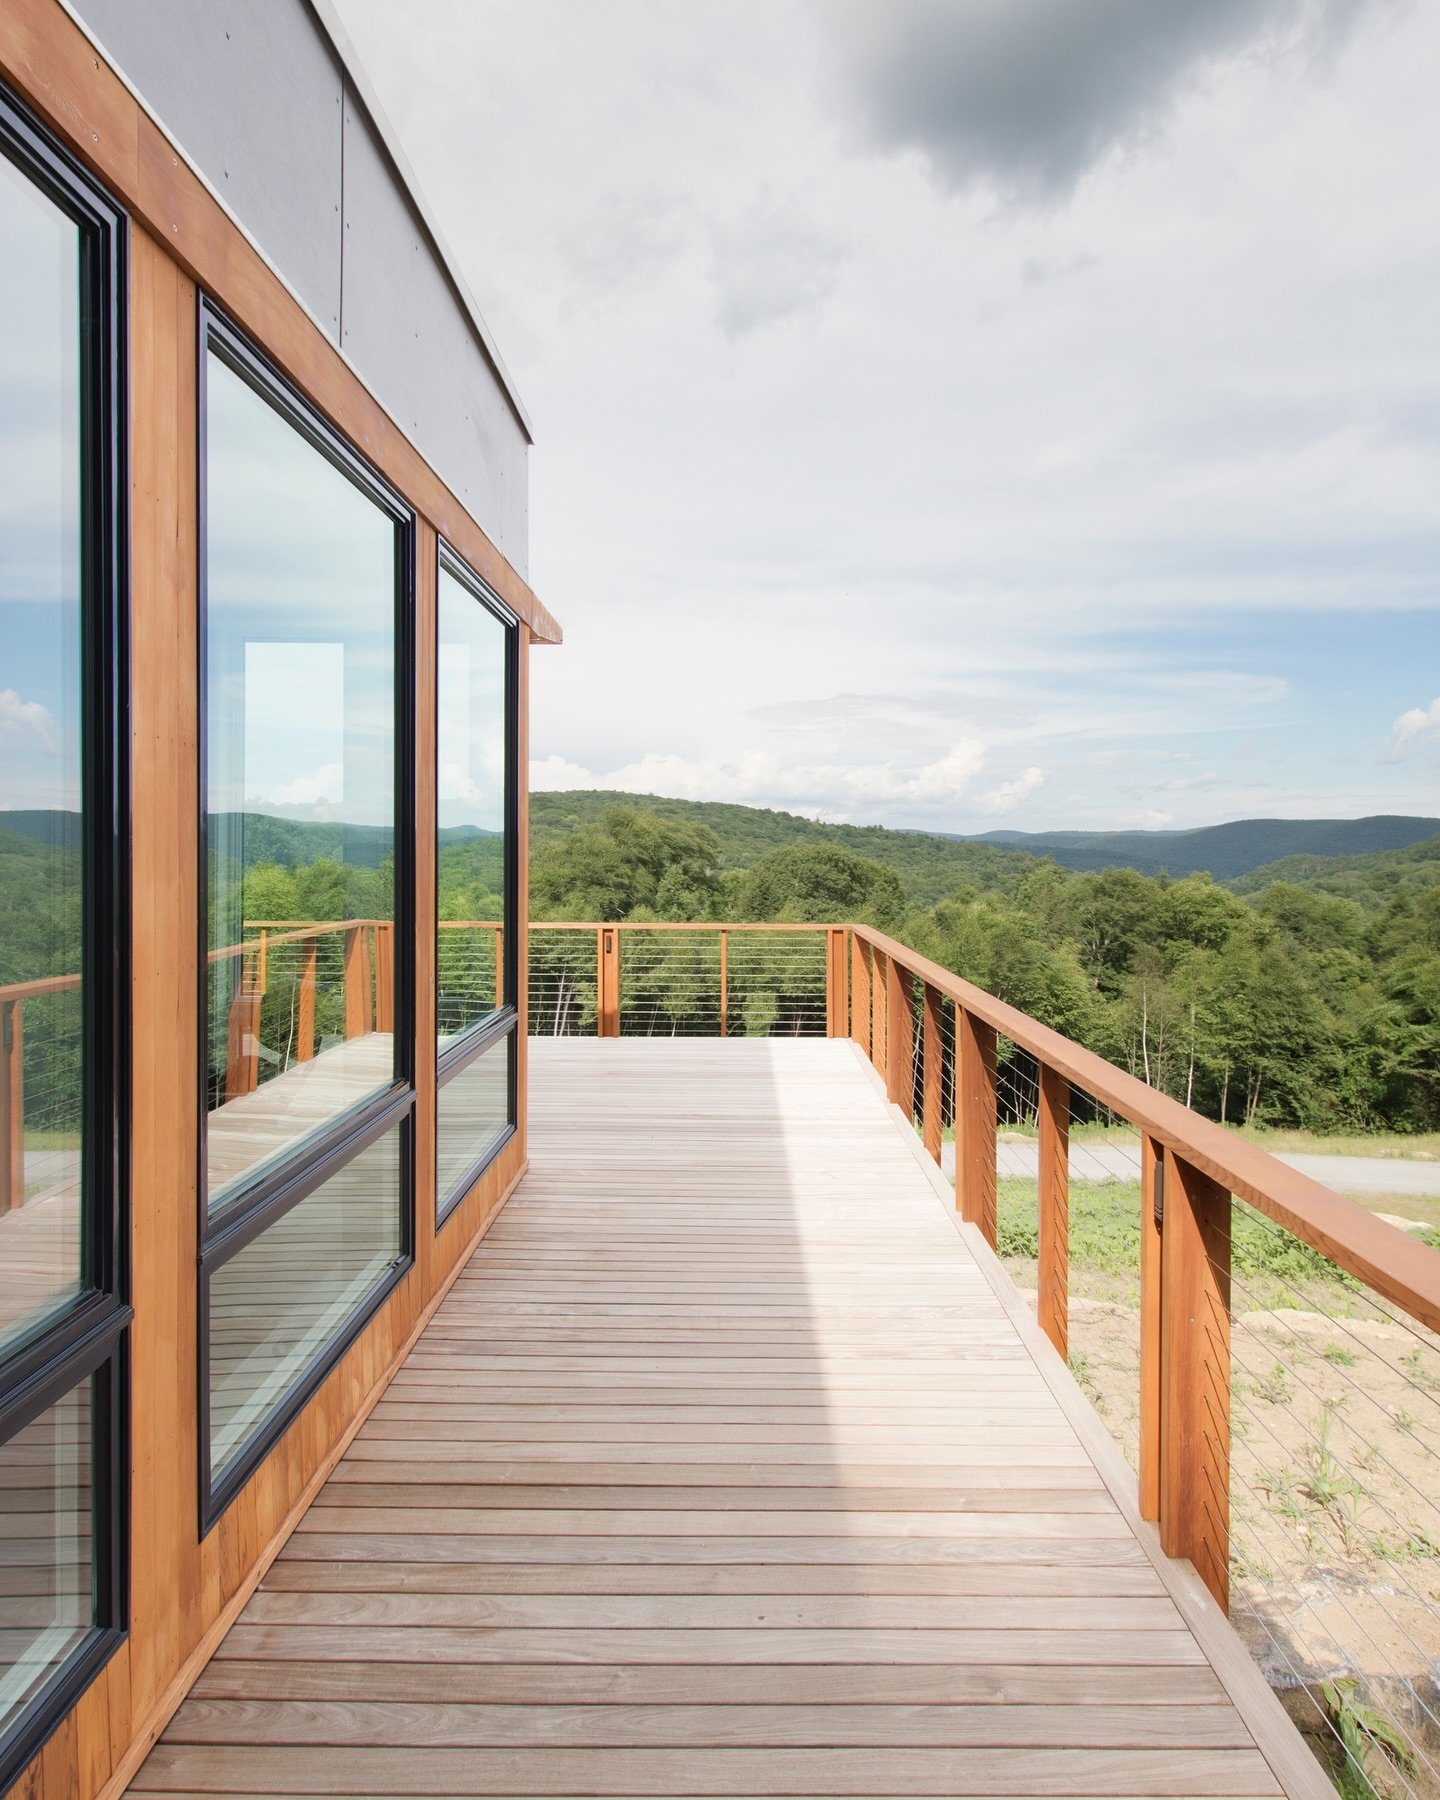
1029,94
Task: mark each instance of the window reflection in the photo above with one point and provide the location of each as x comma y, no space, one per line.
300,766
472,852
279,1302
41,855
46,1573
473,1115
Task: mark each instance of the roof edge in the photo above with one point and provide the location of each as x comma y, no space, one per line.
329,21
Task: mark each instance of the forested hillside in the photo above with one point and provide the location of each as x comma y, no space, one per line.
1306,994
1224,851
929,866
1293,1006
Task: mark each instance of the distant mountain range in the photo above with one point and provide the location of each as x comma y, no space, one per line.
1364,857
1224,851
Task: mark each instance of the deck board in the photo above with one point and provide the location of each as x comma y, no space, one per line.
722,1470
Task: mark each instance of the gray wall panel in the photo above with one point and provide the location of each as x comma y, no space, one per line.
407,334
257,98
253,93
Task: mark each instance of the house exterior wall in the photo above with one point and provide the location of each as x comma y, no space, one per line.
188,1577
256,97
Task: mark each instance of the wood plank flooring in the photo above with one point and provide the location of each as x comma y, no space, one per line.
721,1471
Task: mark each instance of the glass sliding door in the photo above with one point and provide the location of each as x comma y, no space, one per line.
307,718
62,1309
476,964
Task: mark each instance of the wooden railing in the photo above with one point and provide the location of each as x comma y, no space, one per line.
368,963
918,1023
12,1079
624,952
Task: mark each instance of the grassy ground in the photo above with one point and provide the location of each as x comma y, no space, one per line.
1417,1147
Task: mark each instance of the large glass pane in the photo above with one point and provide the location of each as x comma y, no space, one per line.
472,848
473,1111
300,752
277,1304
41,872
46,1548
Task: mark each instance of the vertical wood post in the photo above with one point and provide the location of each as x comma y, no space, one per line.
899,1039
1195,1373
1152,1177
724,983
975,1112
1053,1284
860,991
12,1107
357,981
499,966
607,949
933,1054
837,1000
880,1013
262,981
305,1021
384,976
242,1044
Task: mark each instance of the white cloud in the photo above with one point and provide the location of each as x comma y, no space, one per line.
1013,793
28,721
324,786
1075,481
864,792
1157,820
771,264
1412,729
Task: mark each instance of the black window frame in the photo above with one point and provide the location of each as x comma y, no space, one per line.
273,1190
477,1039
89,1340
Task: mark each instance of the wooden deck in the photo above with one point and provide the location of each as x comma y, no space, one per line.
727,1467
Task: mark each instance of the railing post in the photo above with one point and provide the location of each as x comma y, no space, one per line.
860,991
12,1107
242,1043
384,976
1053,1194
975,1112
933,1052
1151,1189
880,1014
357,981
899,1039
607,951
837,1001
305,1020
1195,1373
499,966
724,983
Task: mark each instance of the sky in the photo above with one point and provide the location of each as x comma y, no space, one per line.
962,414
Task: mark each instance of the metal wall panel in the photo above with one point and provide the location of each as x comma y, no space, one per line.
253,94
257,98
412,342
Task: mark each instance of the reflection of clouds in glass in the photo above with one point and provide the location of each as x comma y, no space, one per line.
294,708
471,711
28,721
39,500
300,621
39,395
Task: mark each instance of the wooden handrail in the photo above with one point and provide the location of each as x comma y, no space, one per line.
47,984
1365,1246
1190,1168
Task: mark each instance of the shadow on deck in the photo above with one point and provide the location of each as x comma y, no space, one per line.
730,1465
